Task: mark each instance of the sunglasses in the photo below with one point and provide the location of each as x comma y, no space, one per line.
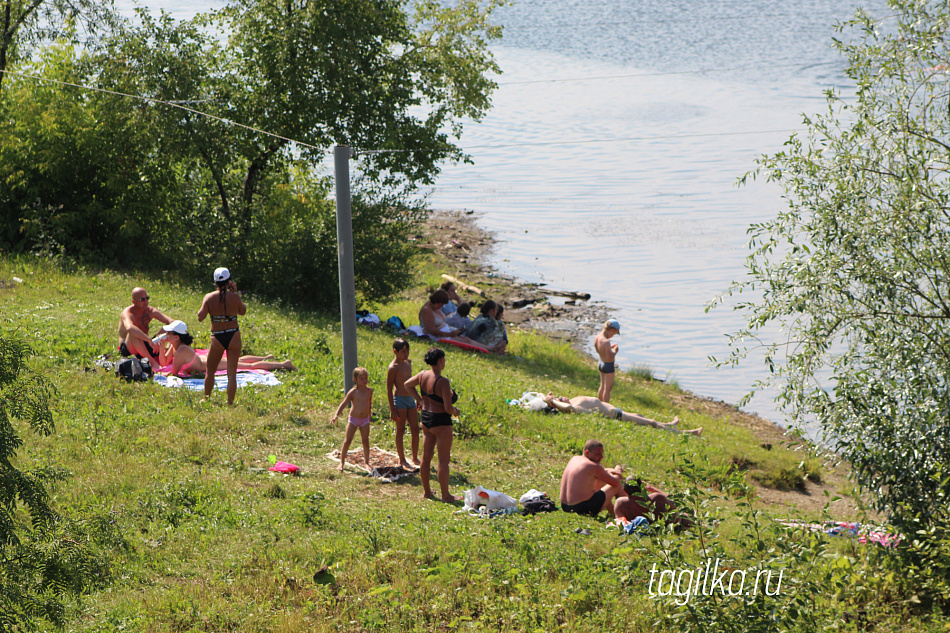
145,298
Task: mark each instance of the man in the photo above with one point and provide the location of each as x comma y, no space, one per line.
582,492
607,352
586,486
587,404
134,322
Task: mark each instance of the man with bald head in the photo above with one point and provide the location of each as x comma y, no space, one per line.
134,339
586,486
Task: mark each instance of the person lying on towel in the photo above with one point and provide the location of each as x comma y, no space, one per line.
177,358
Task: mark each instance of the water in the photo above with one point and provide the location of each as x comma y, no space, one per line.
609,161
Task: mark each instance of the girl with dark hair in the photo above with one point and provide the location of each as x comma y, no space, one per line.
438,407
178,358
487,331
224,306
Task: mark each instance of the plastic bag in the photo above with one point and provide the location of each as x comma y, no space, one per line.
491,499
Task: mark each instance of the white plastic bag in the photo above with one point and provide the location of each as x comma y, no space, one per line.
491,499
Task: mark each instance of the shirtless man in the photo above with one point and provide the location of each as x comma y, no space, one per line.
587,404
134,322
403,402
586,486
608,354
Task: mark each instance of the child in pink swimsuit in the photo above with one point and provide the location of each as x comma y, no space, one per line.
360,399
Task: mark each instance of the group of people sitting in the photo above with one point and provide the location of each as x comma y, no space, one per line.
170,352
445,316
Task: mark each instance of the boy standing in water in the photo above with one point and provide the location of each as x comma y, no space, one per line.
403,402
360,399
608,353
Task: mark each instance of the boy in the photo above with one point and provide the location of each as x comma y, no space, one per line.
360,399
607,352
403,402
459,318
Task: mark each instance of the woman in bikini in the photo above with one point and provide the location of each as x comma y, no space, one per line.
224,306
179,359
438,407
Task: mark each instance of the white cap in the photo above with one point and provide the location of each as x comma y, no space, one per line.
178,327
221,274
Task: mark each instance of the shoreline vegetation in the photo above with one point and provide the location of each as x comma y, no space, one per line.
204,537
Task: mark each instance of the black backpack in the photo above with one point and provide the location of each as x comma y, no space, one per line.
134,369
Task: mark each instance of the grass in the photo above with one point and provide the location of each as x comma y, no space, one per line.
212,541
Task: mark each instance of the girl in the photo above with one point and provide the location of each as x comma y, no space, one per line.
360,399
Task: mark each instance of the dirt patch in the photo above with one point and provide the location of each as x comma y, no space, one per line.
378,459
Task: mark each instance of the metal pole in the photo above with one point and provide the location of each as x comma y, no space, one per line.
344,237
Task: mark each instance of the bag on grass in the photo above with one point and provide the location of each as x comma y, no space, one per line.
492,499
134,369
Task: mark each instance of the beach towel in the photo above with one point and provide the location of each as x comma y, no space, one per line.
863,533
245,377
384,465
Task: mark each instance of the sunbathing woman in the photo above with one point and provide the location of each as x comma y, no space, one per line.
224,306
587,404
179,359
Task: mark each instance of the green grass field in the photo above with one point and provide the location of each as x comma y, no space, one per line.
209,540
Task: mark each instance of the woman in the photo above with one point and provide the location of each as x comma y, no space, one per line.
438,407
432,320
487,331
454,300
179,359
224,306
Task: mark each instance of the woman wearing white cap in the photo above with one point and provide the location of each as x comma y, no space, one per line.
224,306
178,358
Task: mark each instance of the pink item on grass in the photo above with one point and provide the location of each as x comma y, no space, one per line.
284,467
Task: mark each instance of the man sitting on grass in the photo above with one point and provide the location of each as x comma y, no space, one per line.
589,488
587,404
134,339
586,486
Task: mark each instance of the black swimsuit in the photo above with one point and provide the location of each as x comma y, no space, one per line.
224,336
431,419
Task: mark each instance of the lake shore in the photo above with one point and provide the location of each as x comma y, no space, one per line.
463,248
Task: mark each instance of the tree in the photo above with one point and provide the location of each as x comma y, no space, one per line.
856,271
25,22
363,73
49,557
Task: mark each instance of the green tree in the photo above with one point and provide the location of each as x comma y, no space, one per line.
44,558
23,23
363,73
856,271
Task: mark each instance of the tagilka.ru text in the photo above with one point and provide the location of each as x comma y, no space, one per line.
705,581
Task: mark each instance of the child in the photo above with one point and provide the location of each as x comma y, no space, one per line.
360,399
403,402
459,318
501,324
607,352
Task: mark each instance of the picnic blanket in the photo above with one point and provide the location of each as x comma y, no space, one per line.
864,533
245,377
385,465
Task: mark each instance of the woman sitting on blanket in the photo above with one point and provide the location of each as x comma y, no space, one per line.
179,359
487,330
433,322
